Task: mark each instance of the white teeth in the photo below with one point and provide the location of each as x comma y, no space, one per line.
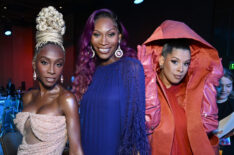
104,50
50,79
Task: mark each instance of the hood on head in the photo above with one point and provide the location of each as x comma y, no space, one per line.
203,55
170,29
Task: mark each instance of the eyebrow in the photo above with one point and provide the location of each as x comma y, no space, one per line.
114,28
41,57
179,59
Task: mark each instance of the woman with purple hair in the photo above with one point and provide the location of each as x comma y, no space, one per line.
109,83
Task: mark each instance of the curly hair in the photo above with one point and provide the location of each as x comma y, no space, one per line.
50,29
86,65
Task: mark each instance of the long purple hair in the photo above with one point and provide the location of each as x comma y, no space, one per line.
86,65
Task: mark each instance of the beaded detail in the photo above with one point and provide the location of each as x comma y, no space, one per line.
49,130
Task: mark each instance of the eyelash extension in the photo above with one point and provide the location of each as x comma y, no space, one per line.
173,61
187,64
60,64
112,34
96,34
43,62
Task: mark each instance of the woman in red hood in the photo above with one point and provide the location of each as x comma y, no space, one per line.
181,70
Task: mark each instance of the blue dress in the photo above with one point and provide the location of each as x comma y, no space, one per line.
113,108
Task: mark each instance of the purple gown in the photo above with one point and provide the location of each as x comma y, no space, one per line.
113,108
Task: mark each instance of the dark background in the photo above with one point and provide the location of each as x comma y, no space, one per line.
211,19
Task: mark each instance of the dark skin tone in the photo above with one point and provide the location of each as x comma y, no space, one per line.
52,98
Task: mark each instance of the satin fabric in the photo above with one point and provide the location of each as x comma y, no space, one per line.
198,95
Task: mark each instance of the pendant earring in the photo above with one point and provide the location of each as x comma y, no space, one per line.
118,52
61,79
93,52
34,75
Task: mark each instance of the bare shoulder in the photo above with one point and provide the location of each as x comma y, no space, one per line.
67,100
66,96
28,96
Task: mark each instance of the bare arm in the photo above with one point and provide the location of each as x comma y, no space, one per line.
69,106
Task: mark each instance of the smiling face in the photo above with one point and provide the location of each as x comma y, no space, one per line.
105,39
174,66
49,64
224,89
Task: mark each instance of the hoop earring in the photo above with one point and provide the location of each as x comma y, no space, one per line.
118,52
34,75
61,79
93,52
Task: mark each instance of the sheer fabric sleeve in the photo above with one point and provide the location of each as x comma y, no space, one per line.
134,139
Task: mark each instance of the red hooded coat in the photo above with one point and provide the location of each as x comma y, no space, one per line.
197,95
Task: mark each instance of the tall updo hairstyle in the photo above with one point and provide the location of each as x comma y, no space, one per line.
50,29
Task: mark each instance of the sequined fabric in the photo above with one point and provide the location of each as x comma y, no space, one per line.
49,130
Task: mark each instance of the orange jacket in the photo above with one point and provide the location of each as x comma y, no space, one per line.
198,94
